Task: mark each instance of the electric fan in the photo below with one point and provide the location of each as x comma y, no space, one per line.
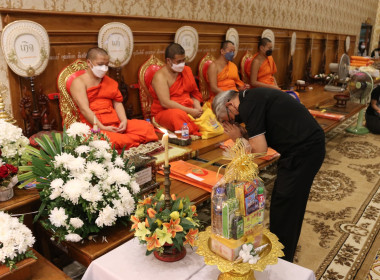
342,70
360,86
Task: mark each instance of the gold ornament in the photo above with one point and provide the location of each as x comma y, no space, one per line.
237,269
3,114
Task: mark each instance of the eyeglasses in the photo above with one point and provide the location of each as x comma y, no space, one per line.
228,115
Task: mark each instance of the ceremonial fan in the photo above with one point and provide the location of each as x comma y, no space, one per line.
360,86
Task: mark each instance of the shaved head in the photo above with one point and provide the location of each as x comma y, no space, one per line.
173,49
263,42
224,44
94,52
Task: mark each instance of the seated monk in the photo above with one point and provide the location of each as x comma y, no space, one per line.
222,75
175,93
99,100
263,67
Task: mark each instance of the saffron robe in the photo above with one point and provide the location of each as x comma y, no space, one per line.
266,71
181,92
100,99
227,79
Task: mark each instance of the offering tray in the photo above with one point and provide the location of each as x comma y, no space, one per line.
237,269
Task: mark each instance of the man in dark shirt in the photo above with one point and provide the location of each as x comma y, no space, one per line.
372,114
275,119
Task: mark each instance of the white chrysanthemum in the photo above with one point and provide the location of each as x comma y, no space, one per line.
78,129
82,149
73,237
118,176
15,237
56,188
78,164
74,188
135,187
93,194
76,222
97,169
129,205
119,162
58,217
12,142
100,144
80,175
124,193
63,160
107,216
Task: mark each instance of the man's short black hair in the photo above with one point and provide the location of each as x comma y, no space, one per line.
225,43
93,52
263,42
174,49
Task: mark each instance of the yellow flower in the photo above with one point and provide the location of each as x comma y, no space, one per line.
180,206
174,215
139,212
159,222
142,231
163,236
162,197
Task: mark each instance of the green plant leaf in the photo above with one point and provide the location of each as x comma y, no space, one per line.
57,138
40,210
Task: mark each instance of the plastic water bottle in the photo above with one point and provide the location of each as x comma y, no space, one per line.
185,131
217,206
148,120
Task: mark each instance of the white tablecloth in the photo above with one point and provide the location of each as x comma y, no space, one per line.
128,261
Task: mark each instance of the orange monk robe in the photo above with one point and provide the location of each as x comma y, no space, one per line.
227,79
266,71
181,92
100,99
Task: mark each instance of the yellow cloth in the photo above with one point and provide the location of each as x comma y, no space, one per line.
207,123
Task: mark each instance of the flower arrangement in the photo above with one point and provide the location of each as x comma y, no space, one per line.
7,175
84,184
12,143
156,226
15,241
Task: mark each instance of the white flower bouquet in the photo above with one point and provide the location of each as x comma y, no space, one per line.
84,184
15,241
12,143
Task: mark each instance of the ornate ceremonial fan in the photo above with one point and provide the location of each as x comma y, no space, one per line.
293,44
347,43
233,36
267,33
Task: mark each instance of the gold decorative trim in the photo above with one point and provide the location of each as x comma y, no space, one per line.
69,110
145,97
247,56
268,256
203,85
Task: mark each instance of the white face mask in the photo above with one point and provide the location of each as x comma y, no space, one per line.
178,67
99,70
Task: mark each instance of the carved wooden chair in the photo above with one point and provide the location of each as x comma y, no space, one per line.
202,75
68,109
146,73
245,64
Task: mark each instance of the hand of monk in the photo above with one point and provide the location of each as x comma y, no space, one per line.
122,127
243,87
196,113
232,130
110,128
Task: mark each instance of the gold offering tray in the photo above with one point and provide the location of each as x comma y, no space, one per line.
237,269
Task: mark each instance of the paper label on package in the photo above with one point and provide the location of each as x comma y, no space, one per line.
144,176
195,177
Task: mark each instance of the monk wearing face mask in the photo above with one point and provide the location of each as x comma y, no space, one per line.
99,100
223,74
263,67
175,93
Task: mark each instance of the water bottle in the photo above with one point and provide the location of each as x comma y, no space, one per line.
217,206
185,131
148,120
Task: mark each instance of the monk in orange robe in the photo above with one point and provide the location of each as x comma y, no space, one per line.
99,100
223,74
263,67
175,93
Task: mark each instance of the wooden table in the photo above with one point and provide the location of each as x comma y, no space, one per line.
24,201
44,269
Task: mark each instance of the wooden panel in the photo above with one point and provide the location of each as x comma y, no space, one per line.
71,35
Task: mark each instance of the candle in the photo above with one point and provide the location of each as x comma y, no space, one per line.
165,143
